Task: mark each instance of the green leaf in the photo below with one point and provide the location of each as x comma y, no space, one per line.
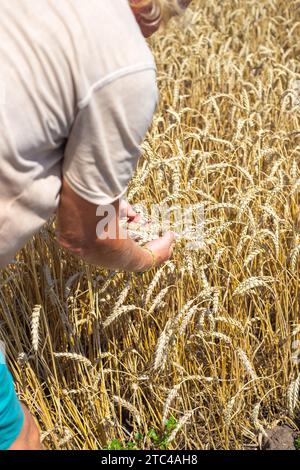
130,445
171,423
115,445
153,435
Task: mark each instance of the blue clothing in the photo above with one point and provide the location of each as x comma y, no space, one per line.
11,413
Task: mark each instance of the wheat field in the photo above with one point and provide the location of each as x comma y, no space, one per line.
200,353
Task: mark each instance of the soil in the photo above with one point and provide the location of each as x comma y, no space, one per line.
280,438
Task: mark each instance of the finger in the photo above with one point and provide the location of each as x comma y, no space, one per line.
137,218
170,237
131,212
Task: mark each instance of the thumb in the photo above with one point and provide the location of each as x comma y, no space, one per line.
170,239
170,236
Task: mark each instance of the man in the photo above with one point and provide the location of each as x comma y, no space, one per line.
77,95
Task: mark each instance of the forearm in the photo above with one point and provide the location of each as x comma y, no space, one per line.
123,254
29,438
77,225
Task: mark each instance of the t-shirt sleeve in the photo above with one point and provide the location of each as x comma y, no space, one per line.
103,148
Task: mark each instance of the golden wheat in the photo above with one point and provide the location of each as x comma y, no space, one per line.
211,337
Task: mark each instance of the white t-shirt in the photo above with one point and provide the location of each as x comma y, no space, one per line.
77,95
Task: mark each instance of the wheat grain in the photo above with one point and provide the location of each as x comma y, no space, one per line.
171,397
156,279
257,424
162,347
293,395
253,283
158,299
74,357
35,322
181,423
128,406
252,256
246,363
231,321
294,257
117,312
187,319
228,411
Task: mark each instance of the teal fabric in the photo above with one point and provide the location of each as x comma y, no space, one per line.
11,413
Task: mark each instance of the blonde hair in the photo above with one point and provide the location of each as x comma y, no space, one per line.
161,10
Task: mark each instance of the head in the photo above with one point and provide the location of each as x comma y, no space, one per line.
151,14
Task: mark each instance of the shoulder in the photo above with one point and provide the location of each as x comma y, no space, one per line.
109,43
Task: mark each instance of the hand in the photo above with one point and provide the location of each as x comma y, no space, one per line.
162,247
127,211
131,216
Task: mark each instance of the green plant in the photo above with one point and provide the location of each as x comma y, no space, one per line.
117,445
159,440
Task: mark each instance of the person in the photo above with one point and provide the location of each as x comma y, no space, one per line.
77,95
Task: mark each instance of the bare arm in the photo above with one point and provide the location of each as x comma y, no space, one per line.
77,222
29,438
